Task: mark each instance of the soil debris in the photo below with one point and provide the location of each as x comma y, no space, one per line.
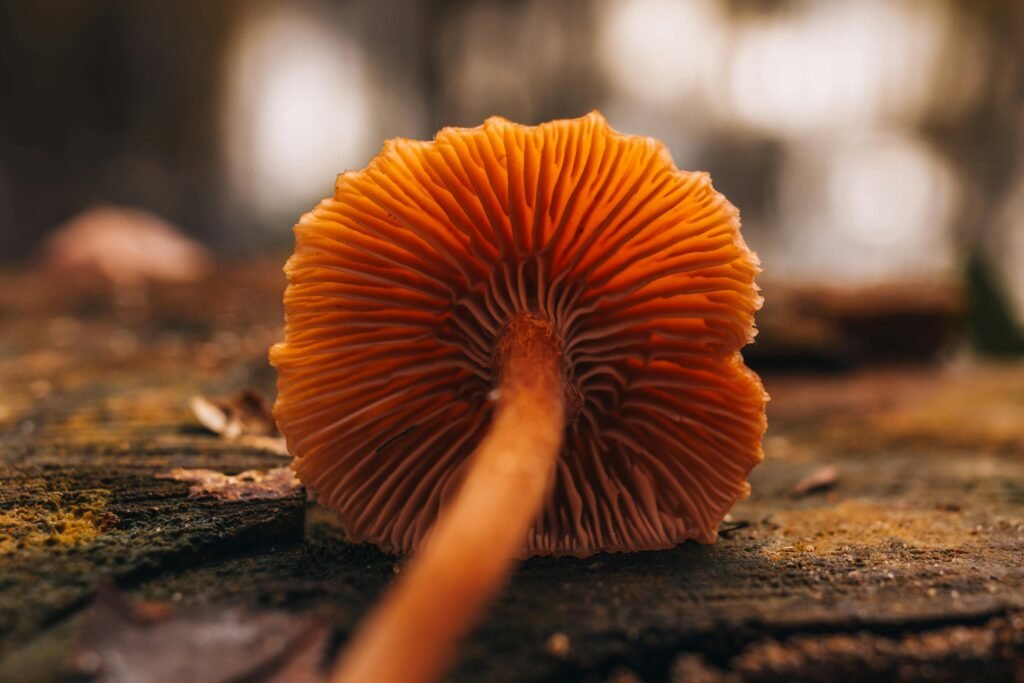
865,523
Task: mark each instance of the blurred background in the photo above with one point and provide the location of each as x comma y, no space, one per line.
875,148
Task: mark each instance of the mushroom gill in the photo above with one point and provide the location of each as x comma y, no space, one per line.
558,301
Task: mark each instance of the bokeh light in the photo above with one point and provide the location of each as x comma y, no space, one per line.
835,65
872,206
297,110
661,51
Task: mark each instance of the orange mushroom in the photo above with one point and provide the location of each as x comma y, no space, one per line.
515,341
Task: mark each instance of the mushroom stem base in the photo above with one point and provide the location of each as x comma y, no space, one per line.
411,637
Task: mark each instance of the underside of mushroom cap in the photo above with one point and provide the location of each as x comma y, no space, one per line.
403,284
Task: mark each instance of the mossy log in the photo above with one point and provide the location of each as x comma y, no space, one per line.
900,557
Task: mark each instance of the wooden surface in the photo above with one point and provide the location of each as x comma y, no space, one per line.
906,563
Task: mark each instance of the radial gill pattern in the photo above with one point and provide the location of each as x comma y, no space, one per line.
402,283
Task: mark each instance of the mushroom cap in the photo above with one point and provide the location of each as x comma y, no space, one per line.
403,282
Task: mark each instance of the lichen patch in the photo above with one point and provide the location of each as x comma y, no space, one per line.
59,519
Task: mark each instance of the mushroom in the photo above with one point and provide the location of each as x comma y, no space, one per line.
515,341
127,247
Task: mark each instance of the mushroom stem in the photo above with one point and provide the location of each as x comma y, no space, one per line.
411,637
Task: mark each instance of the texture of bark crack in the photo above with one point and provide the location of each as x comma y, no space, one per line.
909,565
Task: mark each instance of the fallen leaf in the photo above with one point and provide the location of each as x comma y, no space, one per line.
155,643
729,527
245,418
819,480
245,413
276,482
305,660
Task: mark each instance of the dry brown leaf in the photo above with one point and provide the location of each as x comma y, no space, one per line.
244,417
245,413
276,482
819,480
305,659
156,643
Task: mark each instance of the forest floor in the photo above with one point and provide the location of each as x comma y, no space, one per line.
884,536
